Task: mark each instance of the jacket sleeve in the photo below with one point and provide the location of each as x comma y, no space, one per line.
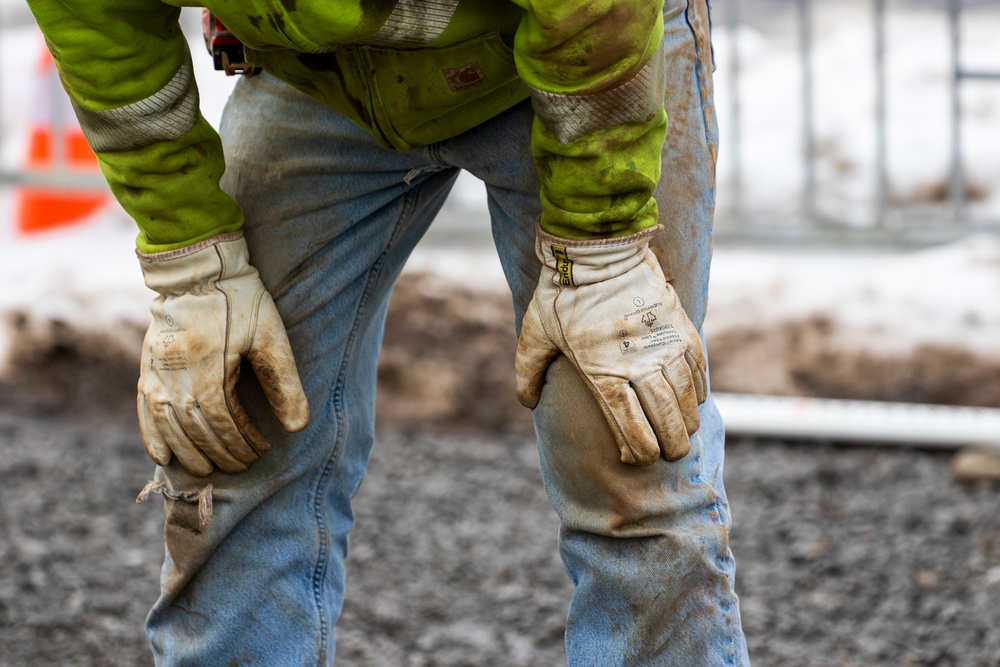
595,72
126,67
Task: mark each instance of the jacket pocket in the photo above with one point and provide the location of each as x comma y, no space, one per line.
422,96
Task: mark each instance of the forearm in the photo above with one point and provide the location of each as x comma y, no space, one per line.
595,74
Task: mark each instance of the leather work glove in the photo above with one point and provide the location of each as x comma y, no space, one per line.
212,311
606,305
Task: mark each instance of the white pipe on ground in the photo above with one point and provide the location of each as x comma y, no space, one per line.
905,424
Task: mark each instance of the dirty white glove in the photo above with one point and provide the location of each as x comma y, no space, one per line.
212,311
606,305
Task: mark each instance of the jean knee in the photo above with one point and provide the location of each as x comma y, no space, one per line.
588,485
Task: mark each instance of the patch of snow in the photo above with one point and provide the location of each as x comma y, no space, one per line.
885,300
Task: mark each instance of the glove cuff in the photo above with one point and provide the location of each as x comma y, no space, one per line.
196,267
189,250
577,263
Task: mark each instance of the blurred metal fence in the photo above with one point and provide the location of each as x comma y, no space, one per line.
888,222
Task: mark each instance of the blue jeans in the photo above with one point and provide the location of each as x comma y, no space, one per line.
331,218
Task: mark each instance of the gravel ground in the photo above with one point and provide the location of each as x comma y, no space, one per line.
846,556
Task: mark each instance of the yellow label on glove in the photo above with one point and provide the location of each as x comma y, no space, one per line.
564,265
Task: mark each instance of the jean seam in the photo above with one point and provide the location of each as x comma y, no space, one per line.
727,603
336,403
711,45
699,70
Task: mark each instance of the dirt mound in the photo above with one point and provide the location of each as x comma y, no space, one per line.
447,360
448,356
447,363
810,358
54,366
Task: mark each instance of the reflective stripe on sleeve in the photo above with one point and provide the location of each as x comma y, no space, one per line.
165,115
570,117
416,22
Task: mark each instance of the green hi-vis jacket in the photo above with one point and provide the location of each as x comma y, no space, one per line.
412,72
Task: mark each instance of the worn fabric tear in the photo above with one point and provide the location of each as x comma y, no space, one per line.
203,498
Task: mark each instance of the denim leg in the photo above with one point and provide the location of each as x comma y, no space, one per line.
330,220
646,547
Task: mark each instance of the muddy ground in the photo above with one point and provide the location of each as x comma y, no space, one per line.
847,557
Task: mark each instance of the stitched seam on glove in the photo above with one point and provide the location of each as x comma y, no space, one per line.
254,318
190,250
598,243
226,352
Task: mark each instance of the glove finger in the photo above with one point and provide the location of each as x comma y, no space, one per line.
681,380
698,374
661,408
535,351
225,417
633,433
188,455
196,428
271,359
155,446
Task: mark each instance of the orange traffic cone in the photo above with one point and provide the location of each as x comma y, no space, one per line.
44,207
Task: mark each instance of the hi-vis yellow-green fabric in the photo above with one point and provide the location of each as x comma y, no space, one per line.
412,72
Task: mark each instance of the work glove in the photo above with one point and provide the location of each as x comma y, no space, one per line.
606,305
211,312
